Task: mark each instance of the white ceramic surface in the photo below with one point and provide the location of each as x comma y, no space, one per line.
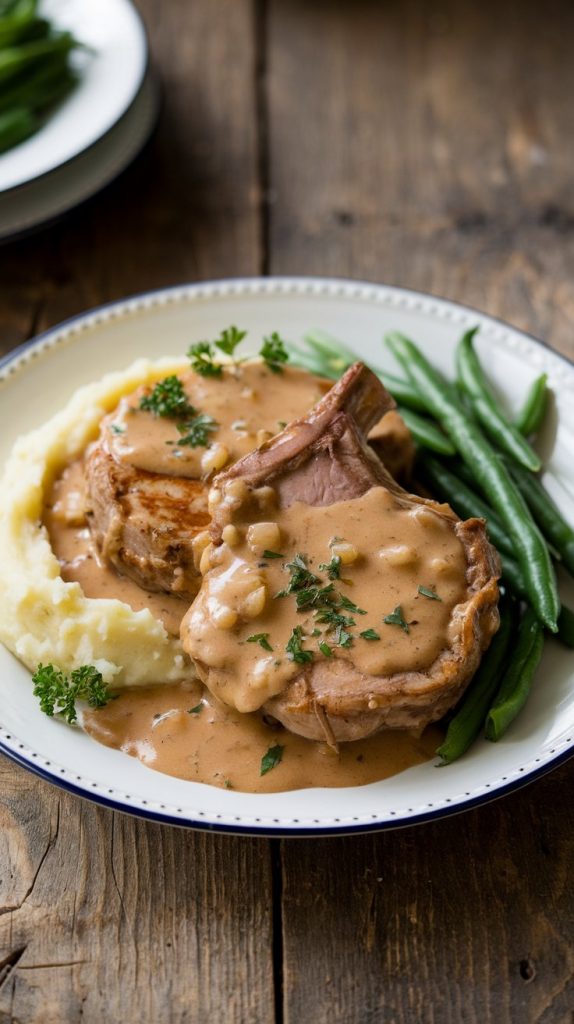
54,194
112,69
37,381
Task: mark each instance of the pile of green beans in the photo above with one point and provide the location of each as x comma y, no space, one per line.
479,461
35,70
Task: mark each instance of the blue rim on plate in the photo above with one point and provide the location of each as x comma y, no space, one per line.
269,826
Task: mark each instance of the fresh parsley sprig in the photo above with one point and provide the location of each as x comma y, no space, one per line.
274,353
201,357
58,693
229,340
168,399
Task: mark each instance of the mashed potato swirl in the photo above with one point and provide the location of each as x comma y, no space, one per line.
42,618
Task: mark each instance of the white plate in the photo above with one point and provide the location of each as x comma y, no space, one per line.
112,73
54,194
39,379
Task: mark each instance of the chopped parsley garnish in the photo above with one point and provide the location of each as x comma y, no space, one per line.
294,647
397,618
331,617
314,597
282,424
228,784
58,693
370,634
261,639
274,353
431,594
271,759
342,637
229,340
328,605
168,399
195,710
301,576
272,554
332,568
195,432
346,603
117,429
201,357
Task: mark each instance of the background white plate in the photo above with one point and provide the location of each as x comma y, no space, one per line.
111,77
54,194
39,379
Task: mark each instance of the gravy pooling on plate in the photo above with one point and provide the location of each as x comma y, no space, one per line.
183,731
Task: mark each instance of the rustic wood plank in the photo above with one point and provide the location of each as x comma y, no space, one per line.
468,919
103,917
430,145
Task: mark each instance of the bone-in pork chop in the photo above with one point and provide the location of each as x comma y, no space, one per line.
332,598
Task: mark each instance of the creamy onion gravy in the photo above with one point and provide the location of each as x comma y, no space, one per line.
249,403
161,726
389,550
220,745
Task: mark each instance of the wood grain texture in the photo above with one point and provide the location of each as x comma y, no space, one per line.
107,918
468,919
102,917
430,144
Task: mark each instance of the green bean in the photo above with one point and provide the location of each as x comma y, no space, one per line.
403,392
331,348
469,717
340,357
463,500
512,574
22,28
16,59
11,8
309,361
546,513
500,430
426,433
56,92
517,680
15,127
531,414
491,476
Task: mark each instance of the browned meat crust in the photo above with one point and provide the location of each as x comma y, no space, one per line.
144,523
319,460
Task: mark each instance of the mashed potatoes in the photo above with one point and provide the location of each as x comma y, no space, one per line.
42,618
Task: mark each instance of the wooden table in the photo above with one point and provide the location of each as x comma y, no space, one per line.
427,143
